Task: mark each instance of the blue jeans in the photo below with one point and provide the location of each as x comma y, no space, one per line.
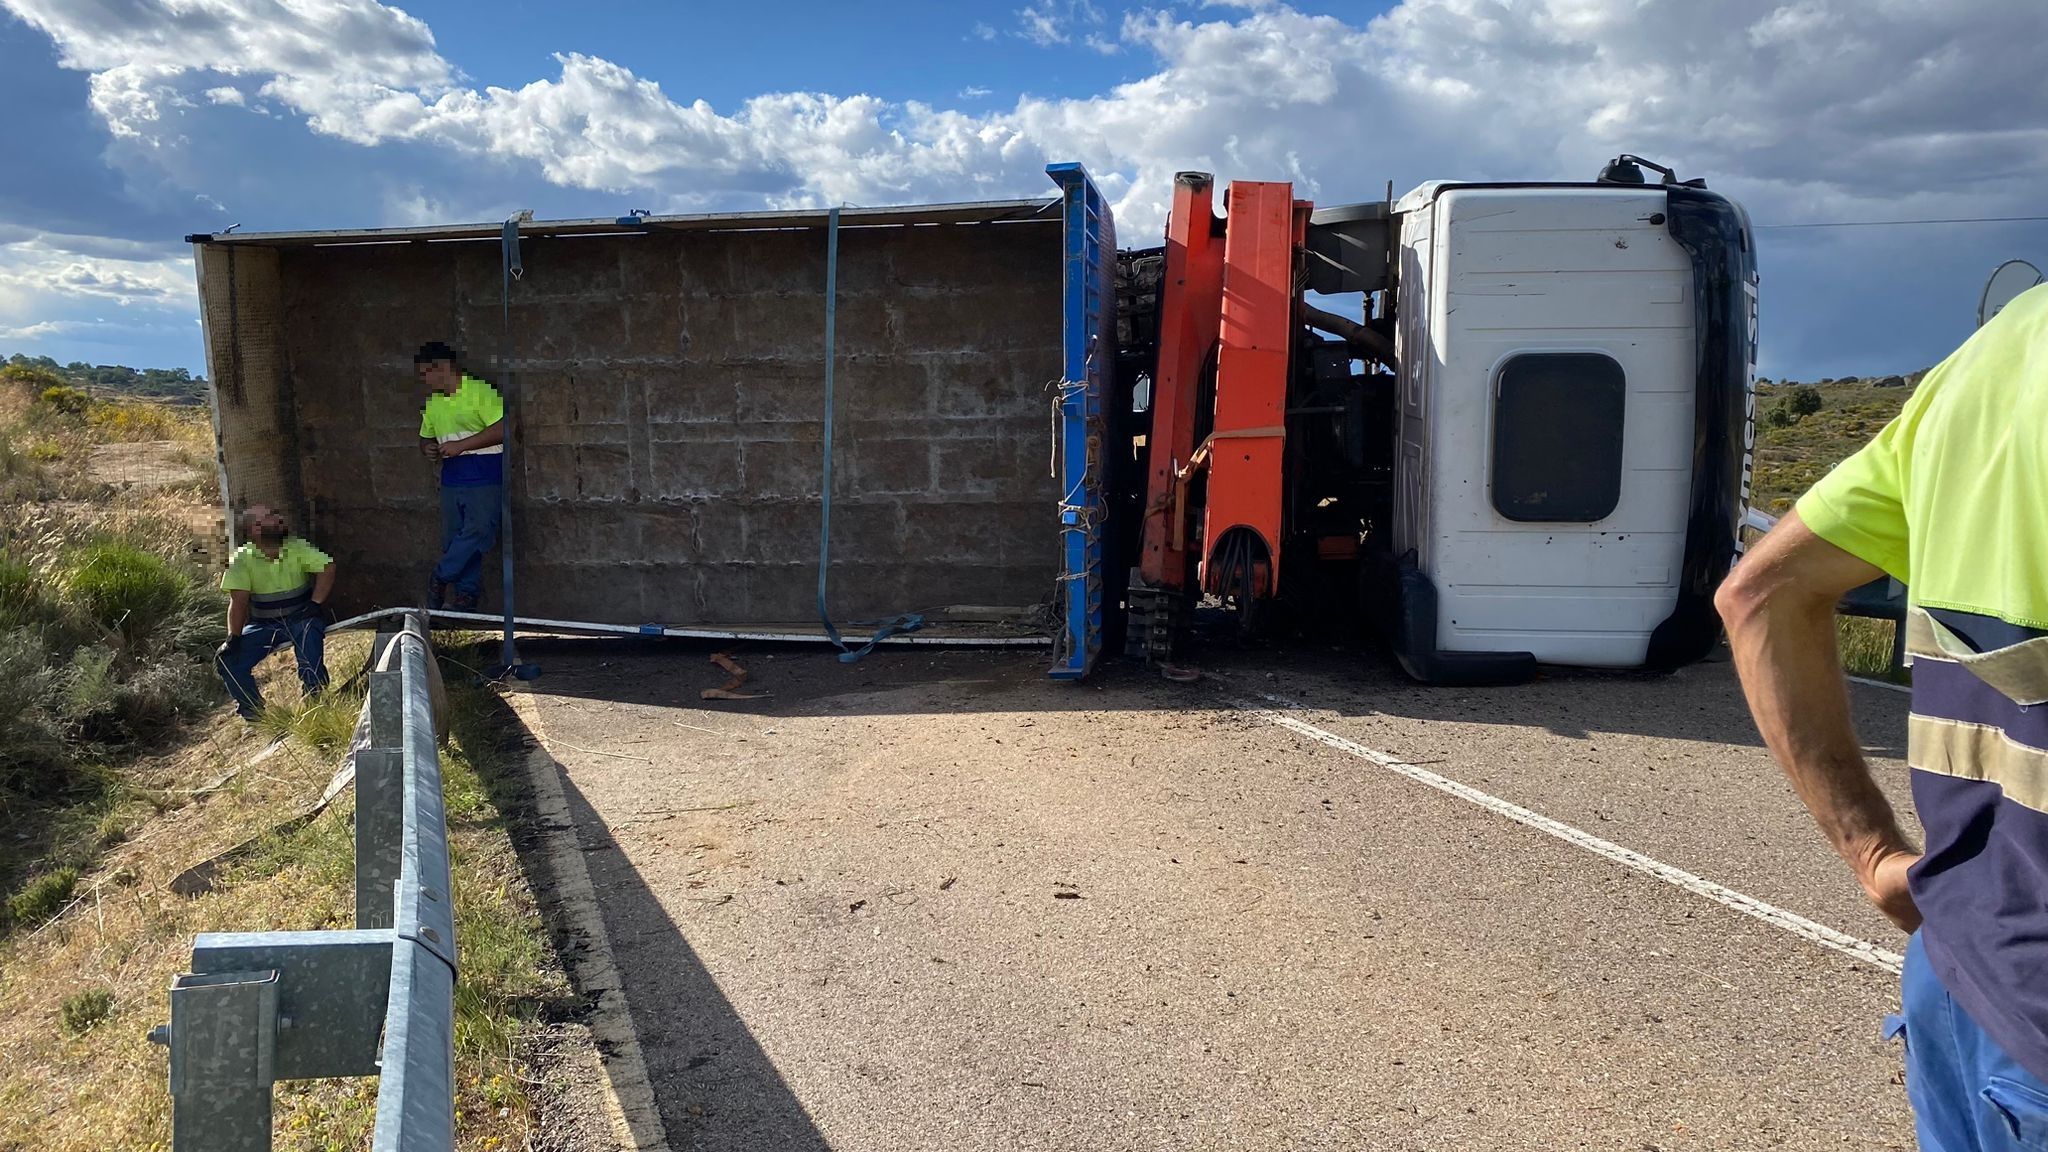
306,634
469,528
1967,1094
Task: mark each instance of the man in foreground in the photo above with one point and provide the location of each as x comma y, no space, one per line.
463,426
277,587
1952,497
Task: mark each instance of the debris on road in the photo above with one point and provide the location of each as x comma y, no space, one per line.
730,690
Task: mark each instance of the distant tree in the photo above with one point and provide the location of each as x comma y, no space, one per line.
1804,400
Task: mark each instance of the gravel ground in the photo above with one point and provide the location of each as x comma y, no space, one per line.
934,900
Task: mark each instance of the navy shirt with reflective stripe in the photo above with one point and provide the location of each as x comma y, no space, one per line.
1983,884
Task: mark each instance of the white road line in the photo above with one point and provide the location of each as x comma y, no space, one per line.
1748,905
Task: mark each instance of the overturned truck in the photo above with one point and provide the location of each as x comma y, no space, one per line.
1525,440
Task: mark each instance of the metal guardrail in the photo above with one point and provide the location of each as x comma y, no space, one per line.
378,1000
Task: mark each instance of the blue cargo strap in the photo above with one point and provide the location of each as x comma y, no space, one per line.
509,663
909,621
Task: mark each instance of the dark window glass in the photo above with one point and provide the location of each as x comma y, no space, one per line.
1557,434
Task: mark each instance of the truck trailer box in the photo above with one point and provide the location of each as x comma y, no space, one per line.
665,377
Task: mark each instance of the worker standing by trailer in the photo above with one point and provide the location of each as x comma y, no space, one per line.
1950,499
463,426
277,586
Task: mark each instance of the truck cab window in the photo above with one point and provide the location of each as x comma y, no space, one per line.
1557,437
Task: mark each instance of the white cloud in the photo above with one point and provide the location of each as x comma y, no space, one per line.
975,92
1805,108
1040,26
1047,23
225,95
1102,44
60,266
1822,105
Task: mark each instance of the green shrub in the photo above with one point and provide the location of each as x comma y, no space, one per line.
120,587
64,399
34,759
21,593
44,897
1779,415
34,379
86,1010
103,698
87,689
1803,400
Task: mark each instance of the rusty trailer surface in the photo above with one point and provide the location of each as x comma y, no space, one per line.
665,375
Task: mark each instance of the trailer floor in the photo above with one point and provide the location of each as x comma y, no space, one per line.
933,900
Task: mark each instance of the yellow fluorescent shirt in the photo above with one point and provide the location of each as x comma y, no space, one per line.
251,571
1952,497
473,407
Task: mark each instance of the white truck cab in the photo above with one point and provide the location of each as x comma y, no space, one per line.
1575,390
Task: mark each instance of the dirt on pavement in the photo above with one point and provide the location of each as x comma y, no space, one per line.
934,899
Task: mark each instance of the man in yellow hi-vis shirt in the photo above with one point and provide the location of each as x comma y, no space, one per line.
1952,498
277,587
463,426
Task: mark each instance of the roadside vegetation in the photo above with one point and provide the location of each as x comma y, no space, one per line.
122,769
1803,430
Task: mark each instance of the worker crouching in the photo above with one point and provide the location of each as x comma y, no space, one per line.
277,587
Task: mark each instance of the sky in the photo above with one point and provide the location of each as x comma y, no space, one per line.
131,123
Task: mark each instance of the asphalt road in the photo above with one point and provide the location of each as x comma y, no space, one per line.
934,900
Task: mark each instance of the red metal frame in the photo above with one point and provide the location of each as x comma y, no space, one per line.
1190,303
1265,229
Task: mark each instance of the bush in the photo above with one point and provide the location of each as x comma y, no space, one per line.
1778,415
44,897
1803,400
120,587
33,757
21,596
134,422
85,1011
32,378
64,399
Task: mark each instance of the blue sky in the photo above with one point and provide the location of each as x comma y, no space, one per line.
133,122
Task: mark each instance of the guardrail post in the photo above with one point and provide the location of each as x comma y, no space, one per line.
222,1038
260,1007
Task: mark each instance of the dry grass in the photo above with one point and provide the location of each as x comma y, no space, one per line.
86,971
124,934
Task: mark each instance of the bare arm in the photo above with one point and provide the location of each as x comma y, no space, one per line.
493,435
430,448
323,584
1779,608
238,613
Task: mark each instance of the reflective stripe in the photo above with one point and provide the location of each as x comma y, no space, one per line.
2018,671
1979,752
493,450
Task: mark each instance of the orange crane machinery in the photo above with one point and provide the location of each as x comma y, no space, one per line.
1215,495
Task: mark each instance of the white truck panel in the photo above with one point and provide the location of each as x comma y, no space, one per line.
1516,271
